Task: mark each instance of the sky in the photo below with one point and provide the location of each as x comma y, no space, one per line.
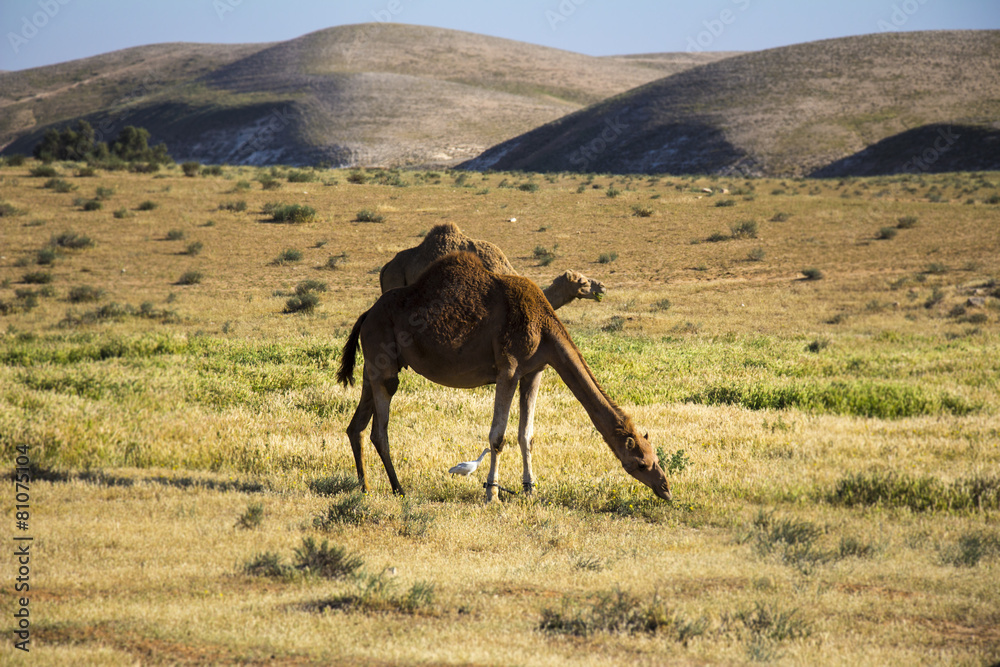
44,32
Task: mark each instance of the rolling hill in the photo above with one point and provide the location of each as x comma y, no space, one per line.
370,94
885,103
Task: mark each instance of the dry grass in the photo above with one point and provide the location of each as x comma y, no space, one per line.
159,414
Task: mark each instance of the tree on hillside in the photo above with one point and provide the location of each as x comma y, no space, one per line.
131,145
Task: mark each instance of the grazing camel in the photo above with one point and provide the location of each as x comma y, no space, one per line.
407,265
461,325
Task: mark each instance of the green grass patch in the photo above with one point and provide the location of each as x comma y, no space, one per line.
918,494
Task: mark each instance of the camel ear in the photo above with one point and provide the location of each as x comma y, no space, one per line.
646,436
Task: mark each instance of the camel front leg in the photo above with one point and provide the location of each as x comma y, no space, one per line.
501,412
526,427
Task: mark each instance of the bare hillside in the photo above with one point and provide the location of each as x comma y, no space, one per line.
370,94
795,110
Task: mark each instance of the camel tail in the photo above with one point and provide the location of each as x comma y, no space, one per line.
345,375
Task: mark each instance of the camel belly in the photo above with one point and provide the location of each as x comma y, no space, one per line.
460,371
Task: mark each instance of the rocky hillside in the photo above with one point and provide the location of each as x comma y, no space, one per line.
885,103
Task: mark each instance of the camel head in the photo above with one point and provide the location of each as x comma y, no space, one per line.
583,287
640,460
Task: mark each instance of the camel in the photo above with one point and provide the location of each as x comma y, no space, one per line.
461,325
407,265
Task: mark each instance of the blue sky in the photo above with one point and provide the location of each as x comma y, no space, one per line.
43,32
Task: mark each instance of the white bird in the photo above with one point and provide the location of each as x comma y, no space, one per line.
466,468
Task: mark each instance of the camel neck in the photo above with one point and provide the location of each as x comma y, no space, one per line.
571,367
556,297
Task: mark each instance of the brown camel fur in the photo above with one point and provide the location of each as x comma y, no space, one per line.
407,265
461,325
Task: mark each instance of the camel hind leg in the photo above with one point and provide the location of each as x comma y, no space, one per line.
382,392
359,422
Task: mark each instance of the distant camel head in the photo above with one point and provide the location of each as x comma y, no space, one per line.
640,460
581,286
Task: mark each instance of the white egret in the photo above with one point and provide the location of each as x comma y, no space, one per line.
466,468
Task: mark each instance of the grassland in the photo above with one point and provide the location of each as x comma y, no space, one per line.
827,391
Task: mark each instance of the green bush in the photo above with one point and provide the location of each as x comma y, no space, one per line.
147,205
43,171
71,241
190,278
59,185
292,213
85,294
288,256
93,205
234,206
746,229
37,278
191,169
295,176
812,274
607,257
886,233
918,494
175,235
367,215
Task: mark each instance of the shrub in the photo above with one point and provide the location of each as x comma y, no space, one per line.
334,261
147,205
268,182
812,274
8,210
642,211
45,256
307,286
123,213
333,484
906,222
325,561
292,213
725,202
191,169
92,205
190,278
366,215
104,193
267,564
886,233
37,278
756,255
295,176
44,171
357,177
612,192
85,294
528,187
194,248
234,206
544,256
175,235
718,237
71,241
59,185
211,170
287,256
746,229
607,257
14,160
85,172
252,517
